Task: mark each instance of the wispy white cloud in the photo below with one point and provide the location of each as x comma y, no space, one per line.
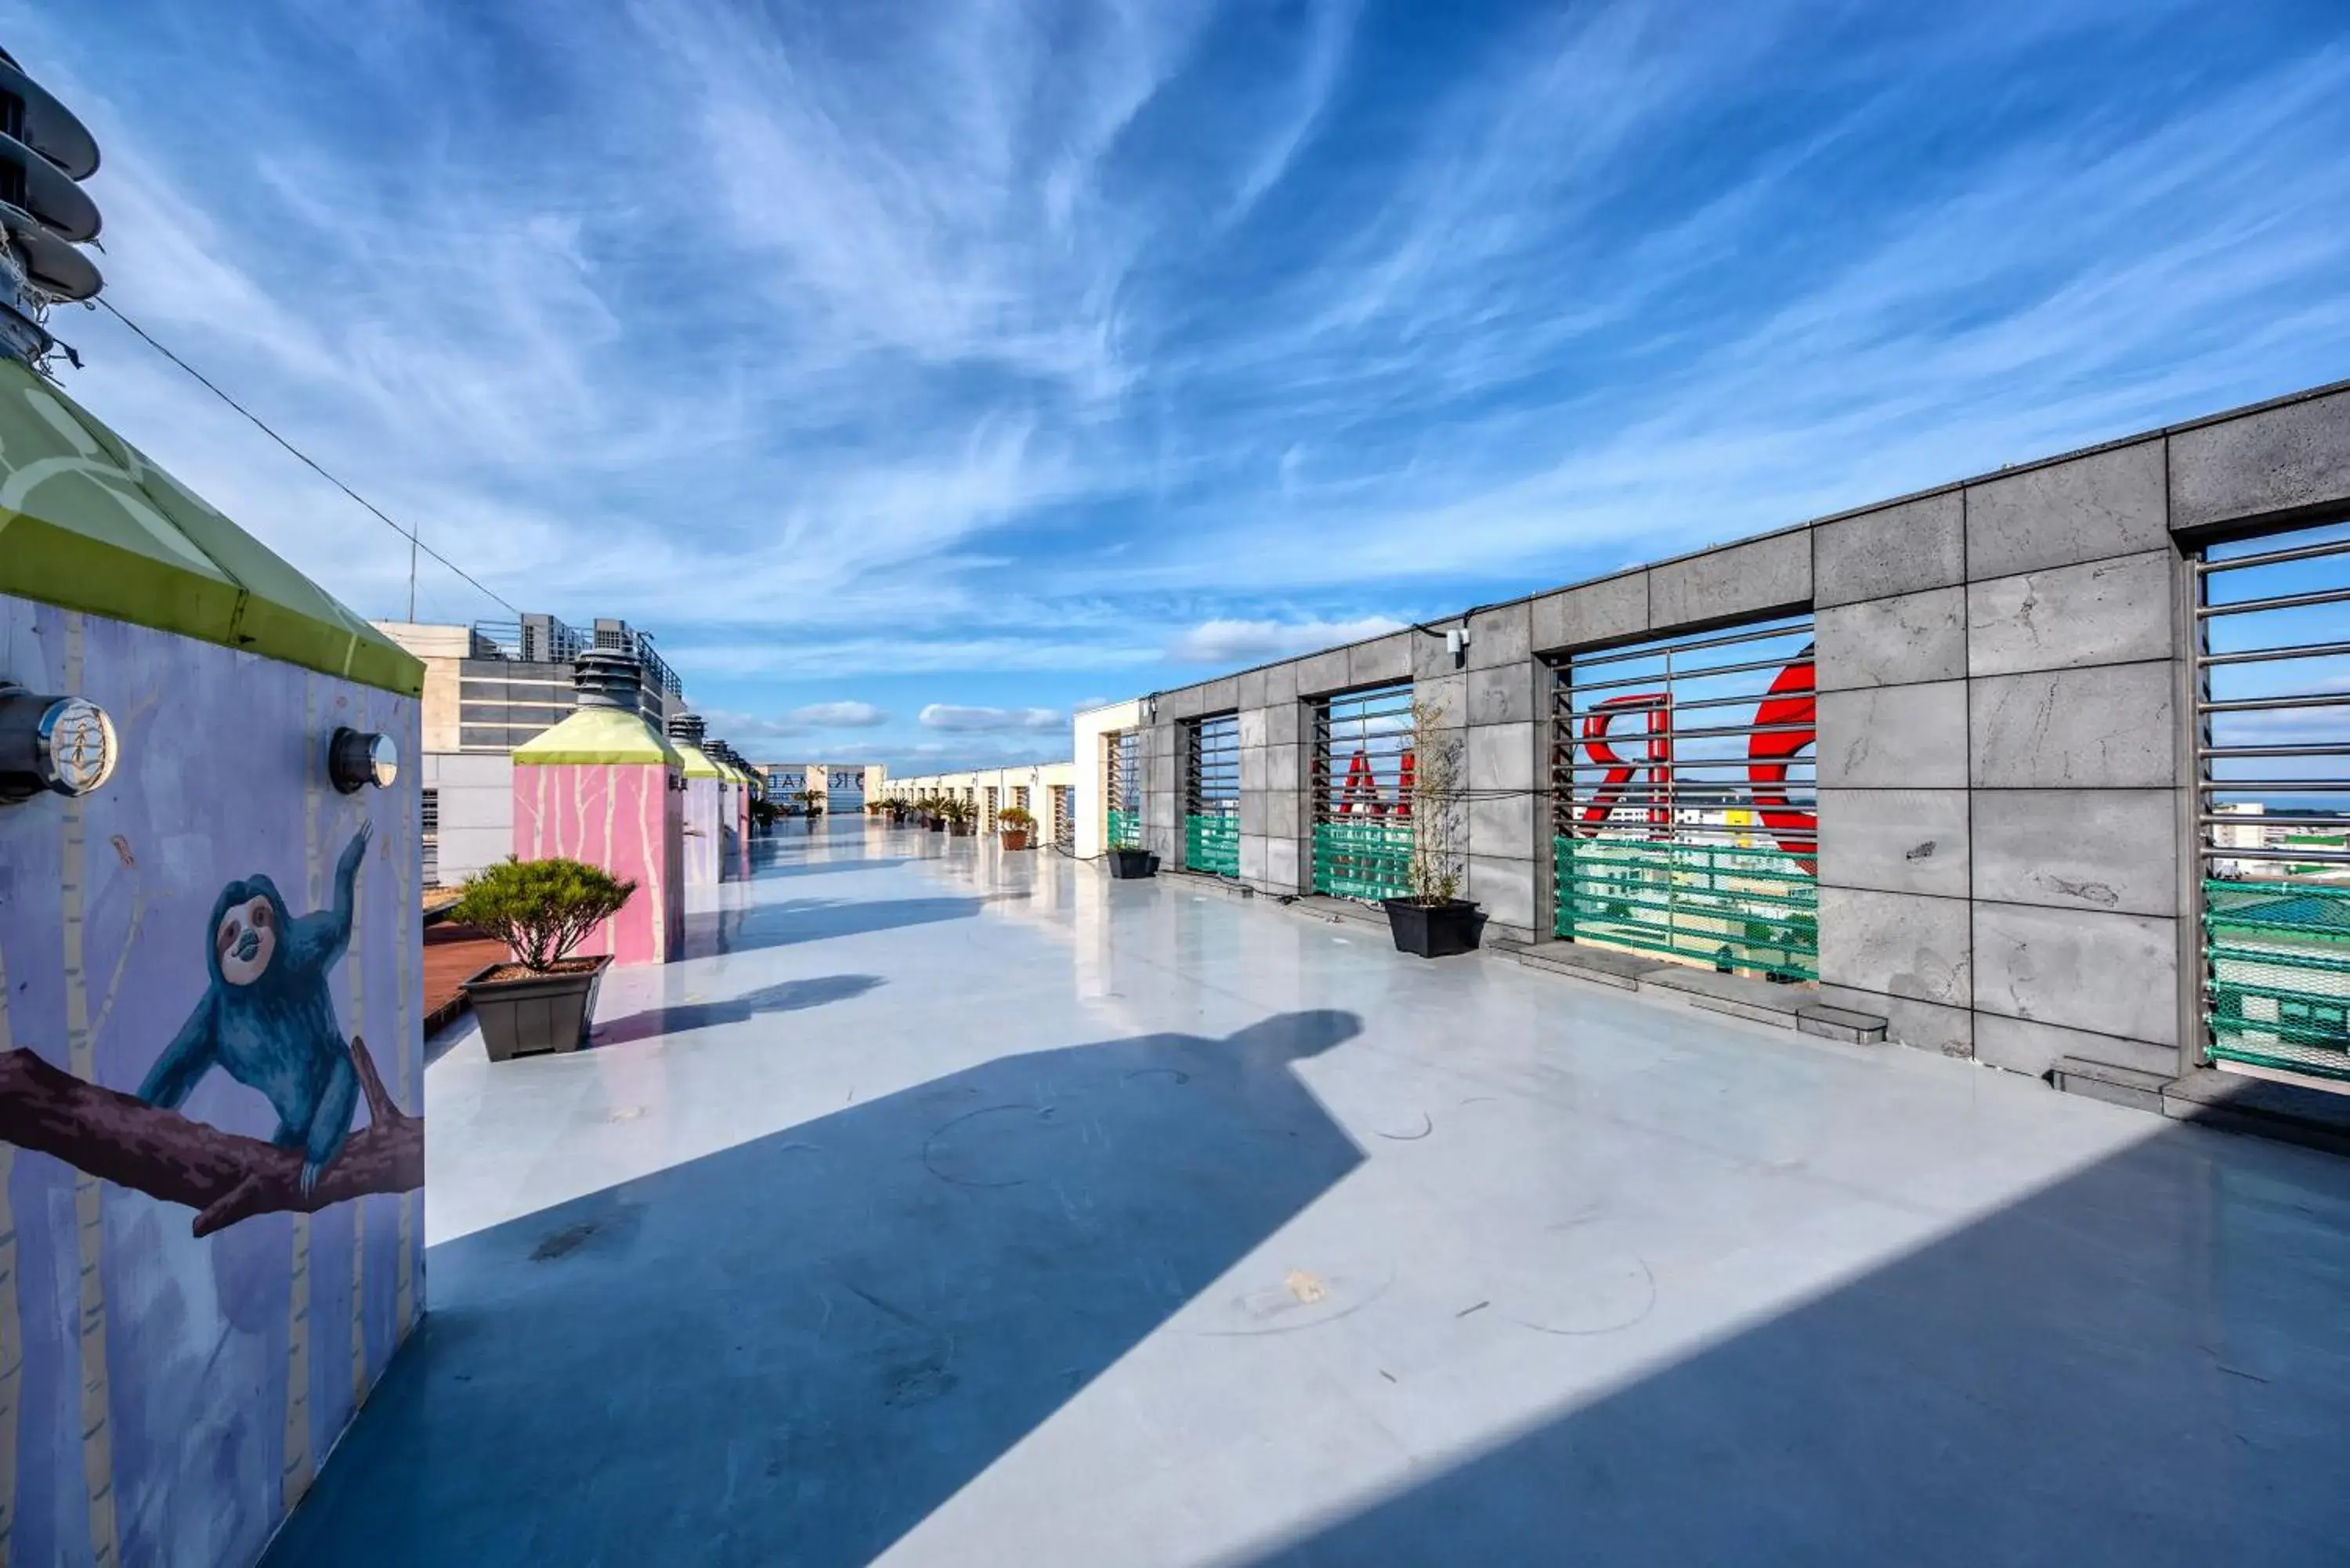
841,715
1042,347
950,716
1226,641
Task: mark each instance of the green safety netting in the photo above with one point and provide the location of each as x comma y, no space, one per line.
2277,975
1724,905
1125,830
1362,859
1212,842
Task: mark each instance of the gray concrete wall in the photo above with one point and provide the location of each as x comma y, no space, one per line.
476,800
2005,785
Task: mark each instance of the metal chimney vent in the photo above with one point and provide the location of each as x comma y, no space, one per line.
688,726
601,677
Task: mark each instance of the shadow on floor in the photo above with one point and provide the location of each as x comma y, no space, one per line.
712,931
827,868
788,996
2145,1364
791,1351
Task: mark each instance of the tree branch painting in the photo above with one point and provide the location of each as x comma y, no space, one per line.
224,1176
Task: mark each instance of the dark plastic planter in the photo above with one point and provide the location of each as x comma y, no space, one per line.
938,825
1126,863
533,1016
1434,931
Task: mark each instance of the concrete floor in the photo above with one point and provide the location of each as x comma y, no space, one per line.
968,1209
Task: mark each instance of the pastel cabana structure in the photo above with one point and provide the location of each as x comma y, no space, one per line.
705,791
734,810
209,855
604,787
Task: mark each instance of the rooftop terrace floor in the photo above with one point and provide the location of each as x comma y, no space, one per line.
966,1208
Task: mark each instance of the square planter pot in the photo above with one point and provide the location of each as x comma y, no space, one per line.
1015,838
938,825
1126,863
538,1015
1434,931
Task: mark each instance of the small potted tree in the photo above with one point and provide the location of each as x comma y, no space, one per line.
962,818
1014,822
934,812
1432,920
543,999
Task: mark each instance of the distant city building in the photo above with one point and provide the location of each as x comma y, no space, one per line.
489,687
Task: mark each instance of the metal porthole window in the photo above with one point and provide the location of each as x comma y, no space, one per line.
1685,817
1211,796
2273,763
1363,750
1125,790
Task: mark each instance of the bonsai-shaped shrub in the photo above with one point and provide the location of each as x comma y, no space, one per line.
540,909
1437,787
1015,817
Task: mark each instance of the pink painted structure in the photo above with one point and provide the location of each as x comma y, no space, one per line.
604,787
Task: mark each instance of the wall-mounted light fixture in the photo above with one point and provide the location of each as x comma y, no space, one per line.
1150,709
1456,643
357,758
66,745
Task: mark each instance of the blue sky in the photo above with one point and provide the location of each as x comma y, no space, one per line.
918,371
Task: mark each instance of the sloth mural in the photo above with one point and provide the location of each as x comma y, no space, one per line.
211,1154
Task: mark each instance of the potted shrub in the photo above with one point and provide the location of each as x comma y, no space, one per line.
934,812
543,998
1013,822
1432,920
962,818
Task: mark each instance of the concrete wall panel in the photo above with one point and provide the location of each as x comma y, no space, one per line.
1607,611
1282,724
1899,944
1256,856
1506,889
2101,849
1504,695
1897,737
1501,757
1249,684
1219,696
1388,659
1499,637
1737,579
1920,1025
2106,504
2275,461
1320,674
2114,611
1895,840
1899,549
2112,973
2022,1047
1897,641
1254,728
1255,770
1502,828
1448,696
1256,812
1281,682
2105,727
1285,865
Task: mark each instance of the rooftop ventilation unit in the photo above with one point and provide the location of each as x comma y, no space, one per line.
45,153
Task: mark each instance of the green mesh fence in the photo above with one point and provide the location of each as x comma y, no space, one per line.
2277,975
1212,842
1125,830
1362,859
1752,909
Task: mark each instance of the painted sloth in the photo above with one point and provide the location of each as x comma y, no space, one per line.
267,1019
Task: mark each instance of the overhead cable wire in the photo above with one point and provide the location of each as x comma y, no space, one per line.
414,541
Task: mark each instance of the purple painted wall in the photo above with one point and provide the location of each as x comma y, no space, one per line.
173,1394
